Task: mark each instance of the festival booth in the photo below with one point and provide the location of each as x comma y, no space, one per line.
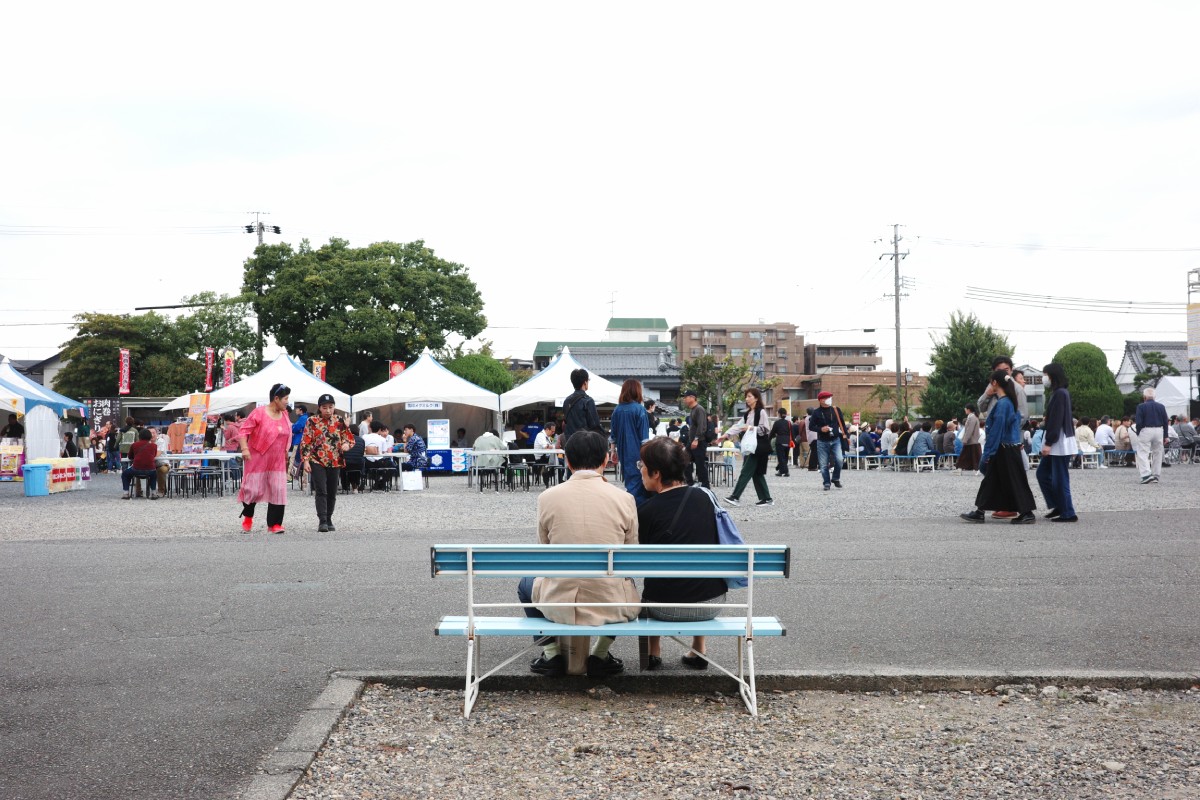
252,391
43,408
438,403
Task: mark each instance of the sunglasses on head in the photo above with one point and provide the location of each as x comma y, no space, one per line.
281,391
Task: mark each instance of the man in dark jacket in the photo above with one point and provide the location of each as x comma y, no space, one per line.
782,432
579,410
697,439
830,427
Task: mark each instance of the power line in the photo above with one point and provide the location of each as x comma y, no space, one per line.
1088,301
1061,248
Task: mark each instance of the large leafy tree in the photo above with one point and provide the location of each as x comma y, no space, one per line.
961,361
356,308
91,357
1094,391
1155,367
219,321
482,370
719,385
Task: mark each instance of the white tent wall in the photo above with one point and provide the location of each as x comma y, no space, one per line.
41,434
1172,392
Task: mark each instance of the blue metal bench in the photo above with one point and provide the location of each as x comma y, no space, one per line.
514,562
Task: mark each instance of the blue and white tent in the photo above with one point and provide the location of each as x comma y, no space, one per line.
33,394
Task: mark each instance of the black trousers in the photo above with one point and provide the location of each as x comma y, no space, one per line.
325,489
781,459
699,464
274,512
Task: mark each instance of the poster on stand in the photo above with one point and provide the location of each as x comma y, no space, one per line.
193,440
12,455
438,437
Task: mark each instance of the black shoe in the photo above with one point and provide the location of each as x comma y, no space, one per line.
694,662
1028,518
554,667
331,528
653,663
598,667
1054,514
827,487
974,516
838,484
323,527
733,501
765,503
1065,519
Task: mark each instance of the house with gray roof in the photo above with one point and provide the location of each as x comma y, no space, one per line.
1133,361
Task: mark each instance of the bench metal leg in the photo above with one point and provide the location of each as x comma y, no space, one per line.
471,693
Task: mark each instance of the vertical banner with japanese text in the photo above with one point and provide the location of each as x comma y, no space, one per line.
395,368
123,373
208,368
318,370
227,379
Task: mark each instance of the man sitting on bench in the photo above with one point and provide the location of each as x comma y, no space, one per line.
586,509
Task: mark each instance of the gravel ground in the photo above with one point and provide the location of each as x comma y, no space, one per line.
1018,742
867,495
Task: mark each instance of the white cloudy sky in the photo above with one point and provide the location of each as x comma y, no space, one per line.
706,162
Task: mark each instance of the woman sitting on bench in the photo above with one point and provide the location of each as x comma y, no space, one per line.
676,514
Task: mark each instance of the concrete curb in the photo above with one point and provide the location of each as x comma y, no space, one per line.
285,766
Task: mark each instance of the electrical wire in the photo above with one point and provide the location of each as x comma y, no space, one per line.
1054,247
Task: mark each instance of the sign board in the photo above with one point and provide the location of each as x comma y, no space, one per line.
856,417
425,405
438,434
1193,314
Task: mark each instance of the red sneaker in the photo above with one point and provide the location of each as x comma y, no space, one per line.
247,524
275,529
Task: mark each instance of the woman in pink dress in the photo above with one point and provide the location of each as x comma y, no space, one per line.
264,438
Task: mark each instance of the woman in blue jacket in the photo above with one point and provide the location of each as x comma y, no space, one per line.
1005,486
1058,447
629,427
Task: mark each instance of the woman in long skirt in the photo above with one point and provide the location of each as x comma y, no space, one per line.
1005,485
1058,448
264,439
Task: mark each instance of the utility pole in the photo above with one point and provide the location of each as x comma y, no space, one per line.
896,255
259,228
1193,311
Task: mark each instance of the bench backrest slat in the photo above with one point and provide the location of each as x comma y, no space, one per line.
588,561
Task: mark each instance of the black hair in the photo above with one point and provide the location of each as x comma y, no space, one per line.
998,360
649,404
303,409
376,426
578,378
927,426
144,434
1056,374
408,426
667,457
492,431
1017,372
1006,384
461,430
278,390
971,407
586,450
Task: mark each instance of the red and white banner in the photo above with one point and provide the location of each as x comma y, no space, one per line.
318,370
123,373
228,380
395,368
208,367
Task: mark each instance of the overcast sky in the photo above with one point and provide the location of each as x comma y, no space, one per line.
704,162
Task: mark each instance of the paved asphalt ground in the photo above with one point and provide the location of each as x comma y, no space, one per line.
150,650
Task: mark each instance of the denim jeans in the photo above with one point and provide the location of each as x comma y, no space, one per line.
824,450
1054,477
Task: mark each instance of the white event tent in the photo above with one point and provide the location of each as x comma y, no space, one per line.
1172,392
427,381
553,385
305,386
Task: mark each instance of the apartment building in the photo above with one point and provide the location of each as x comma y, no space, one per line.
774,348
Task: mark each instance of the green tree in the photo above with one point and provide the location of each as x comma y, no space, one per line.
92,355
220,321
885,395
359,307
962,362
482,370
1094,391
1155,367
719,385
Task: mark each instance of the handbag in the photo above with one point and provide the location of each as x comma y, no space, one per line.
727,533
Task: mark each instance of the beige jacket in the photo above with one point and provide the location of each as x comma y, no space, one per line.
587,509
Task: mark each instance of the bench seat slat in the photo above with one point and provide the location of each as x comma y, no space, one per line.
527,626
770,561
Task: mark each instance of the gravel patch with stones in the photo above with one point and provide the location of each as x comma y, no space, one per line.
1020,741
867,495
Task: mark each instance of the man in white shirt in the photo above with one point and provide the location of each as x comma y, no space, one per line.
1106,439
547,463
375,444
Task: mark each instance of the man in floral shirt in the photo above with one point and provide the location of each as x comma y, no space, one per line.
324,441
415,447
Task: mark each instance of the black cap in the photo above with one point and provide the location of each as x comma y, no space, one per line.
326,398
690,393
